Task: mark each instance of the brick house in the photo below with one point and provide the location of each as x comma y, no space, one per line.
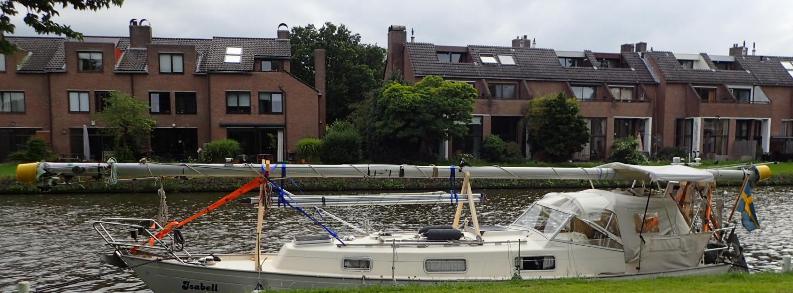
197,90
652,96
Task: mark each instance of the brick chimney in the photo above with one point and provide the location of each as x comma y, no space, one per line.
519,42
283,31
626,48
139,34
397,38
320,84
641,47
738,51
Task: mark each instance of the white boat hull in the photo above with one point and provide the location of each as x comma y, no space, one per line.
164,276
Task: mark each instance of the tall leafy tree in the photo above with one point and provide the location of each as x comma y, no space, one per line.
128,120
353,69
39,15
406,123
556,129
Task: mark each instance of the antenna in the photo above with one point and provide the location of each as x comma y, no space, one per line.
754,48
412,35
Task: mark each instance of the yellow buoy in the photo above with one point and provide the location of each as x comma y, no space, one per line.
26,173
763,172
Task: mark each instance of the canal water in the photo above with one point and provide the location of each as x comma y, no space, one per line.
48,239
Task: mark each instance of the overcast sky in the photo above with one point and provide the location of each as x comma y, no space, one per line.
681,26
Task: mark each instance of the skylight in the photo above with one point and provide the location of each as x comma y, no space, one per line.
506,59
233,55
788,66
488,59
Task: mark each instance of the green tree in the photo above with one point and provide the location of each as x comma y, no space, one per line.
129,122
626,150
341,144
36,149
218,150
407,122
39,15
353,69
556,129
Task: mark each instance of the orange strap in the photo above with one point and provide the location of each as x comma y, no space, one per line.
253,184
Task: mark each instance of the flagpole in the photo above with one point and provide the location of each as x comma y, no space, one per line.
738,198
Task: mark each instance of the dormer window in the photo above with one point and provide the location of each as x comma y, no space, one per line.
488,59
451,57
788,65
171,63
691,61
610,61
233,55
688,64
725,62
89,61
270,65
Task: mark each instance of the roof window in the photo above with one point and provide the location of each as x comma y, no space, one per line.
233,55
488,59
788,66
506,59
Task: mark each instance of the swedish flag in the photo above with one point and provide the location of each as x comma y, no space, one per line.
746,206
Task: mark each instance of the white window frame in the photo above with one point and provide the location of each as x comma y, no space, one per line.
368,259
171,68
750,88
233,55
488,59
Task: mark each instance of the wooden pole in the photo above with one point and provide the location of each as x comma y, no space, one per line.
737,198
471,205
260,219
459,211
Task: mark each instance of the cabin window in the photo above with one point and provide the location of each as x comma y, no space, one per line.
535,263
651,223
543,219
582,232
357,264
445,265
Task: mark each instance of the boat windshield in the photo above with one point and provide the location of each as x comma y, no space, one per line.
543,219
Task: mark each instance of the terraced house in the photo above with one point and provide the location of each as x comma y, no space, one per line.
713,106
197,90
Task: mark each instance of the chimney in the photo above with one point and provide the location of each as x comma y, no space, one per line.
626,48
320,84
519,42
738,51
641,47
283,31
139,34
397,38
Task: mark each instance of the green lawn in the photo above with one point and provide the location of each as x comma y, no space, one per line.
8,169
761,282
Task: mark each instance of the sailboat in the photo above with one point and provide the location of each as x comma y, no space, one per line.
665,224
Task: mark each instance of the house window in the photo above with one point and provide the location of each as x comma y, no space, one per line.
584,92
611,63
90,61
12,102
450,57
597,138
535,263
714,136
78,102
787,128
684,134
160,103
706,94
743,95
622,93
445,265
689,64
788,65
171,63
502,90
270,65
233,55
2,62
726,65
185,103
488,59
572,62
238,103
270,103
506,59
100,100
357,264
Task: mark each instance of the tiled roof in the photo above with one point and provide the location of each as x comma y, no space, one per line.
757,70
47,54
531,63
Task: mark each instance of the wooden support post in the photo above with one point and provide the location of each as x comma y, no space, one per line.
459,211
471,205
260,218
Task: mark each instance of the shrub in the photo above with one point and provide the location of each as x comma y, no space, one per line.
308,149
36,149
667,153
626,150
218,150
495,149
341,145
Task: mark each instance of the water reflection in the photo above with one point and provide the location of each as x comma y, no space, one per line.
48,238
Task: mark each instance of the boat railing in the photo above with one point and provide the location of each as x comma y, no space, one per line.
138,234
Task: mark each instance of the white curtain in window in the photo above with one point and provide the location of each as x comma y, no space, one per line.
154,102
178,63
278,103
244,99
165,63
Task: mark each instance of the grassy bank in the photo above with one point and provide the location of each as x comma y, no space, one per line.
783,175
761,282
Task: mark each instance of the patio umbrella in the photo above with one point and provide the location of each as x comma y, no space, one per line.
86,144
640,145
